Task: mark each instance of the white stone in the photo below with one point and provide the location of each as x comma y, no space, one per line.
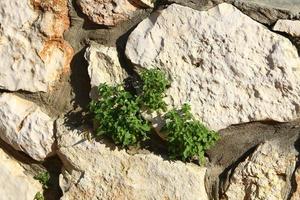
29,60
230,68
291,27
25,127
14,182
94,171
104,65
263,175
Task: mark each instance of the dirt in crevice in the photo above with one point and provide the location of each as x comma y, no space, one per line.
293,180
54,166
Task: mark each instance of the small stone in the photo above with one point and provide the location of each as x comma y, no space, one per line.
104,65
107,12
25,127
291,27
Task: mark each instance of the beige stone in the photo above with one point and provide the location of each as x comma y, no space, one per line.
107,12
32,50
291,27
263,175
104,65
93,171
14,182
25,127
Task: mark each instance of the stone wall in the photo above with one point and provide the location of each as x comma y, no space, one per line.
236,62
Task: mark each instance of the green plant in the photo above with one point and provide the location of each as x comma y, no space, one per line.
39,196
43,178
154,86
186,136
116,114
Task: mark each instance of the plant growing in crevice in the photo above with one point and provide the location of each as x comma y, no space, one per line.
187,137
154,85
39,196
116,114
43,178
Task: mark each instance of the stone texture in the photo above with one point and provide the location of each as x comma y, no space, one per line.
108,12
96,171
263,175
236,69
25,127
32,50
14,182
291,27
104,65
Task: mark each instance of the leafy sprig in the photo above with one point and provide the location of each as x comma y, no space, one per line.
116,114
186,136
155,84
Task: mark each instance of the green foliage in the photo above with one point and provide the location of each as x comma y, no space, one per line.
154,85
116,114
186,136
43,178
39,196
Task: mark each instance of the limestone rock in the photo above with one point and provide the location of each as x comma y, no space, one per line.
104,65
291,27
94,171
32,50
263,175
25,127
14,183
230,71
108,12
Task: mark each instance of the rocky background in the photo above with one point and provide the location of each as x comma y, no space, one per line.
236,62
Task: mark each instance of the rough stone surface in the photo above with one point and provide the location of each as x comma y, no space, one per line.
95,171
263,175
291,27
104,65
108,12
25,127
222,67
14,183
32,50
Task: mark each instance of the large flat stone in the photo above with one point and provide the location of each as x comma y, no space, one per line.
230,71
93,171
